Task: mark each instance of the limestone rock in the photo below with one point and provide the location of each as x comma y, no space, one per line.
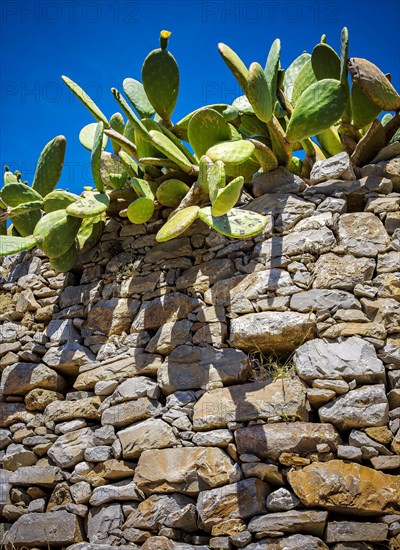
360,187
68,358
38,399
194,367
130,411
242,500
169,336
123,366
342,272
359,408
27,476
353,531
214,438
281,500
343,330
69,449
337,167
348,359
82,294
169,308
120,491
287,209
187,470
103,519
314,241
362,234
133,388
112,316
175,510
153,433
265,399
304,521
322,299
62,411
200,277
44,529
140,284
62,331
276,181
280,332
271,440
294,542
346,488
20,378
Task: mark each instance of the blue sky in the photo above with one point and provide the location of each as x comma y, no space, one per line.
99,43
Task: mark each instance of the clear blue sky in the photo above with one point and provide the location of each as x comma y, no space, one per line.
99,43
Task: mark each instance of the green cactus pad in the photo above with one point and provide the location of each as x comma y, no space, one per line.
216,179
14,194
86,136
170,135
304,80
49,166
61,236
170,150
206,128
26,223
227,197
178,223
117,125
235,64
237,224
291,74
90,232
180,128
344,54
130,166
374,84
132,118
112,170
330,141
364,110
119,141
319,107
160,77
141,210
9,177
86,100
250,125
142,188
24,208
96,156
272,66
205,164
243,105
265,156
89,206
14,245
325,62
231,152
295,165
258,93
46,223
58,199
66,261
137,96
171,192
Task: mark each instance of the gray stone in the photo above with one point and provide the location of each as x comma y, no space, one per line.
359,408
169,308
133,388
362,234
27,476
138,284
281,500
337,167
52,528
69,449
348,359
20,378
305,521
83,294
103,519
110,317
153,433
62,331
98,454
265,399
287,209
360,439
358,187
318,241
276,181
200,277
271,440
18,456
280,332
355,531
120,491
194,367
175,511
349,452
169,336
68,358
61,411
130,411
215,438
323,299
241,500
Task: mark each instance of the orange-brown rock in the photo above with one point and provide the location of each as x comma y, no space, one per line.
347,488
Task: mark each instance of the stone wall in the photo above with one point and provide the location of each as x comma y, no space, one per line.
212,393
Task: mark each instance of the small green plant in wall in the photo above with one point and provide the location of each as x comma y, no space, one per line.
198,167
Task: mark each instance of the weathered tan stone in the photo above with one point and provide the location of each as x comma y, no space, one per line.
38,399
347,488
362,234
194,367
266,472
27,476
52,528
281,332
241,500
153,433
265,399
303,521
129,412
20,378
69,449
371,330
270,440
343,272
125,365
352,531
62,411
200,277
187,470
111,316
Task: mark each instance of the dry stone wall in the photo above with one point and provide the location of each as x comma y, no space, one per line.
210,393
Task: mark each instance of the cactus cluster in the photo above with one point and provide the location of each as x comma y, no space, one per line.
202,166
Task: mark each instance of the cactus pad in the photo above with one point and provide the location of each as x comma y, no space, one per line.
171,192
14,194
14,245
325,62
170,150
305,78
86,136
237,224
258,93
96,156
86,100
178,223
231,152
141,210
291,74
235,64
206,128
89,206
137,96
272,66
66,261
58,199
227,197
61,236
